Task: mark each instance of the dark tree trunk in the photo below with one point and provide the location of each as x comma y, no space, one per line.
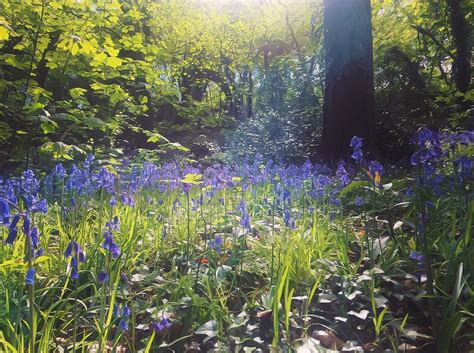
349,89
461,31
250,96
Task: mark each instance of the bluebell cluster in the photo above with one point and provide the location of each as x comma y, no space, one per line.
440,160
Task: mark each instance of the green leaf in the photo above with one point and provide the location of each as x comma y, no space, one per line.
194,179
210,329
177,146
113,62
354,185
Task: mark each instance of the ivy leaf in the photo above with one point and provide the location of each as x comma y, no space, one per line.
209,329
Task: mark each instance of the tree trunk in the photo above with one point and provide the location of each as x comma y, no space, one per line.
349,89
461,30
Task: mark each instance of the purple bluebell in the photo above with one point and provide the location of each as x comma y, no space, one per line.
416,256
123,324
103,277
4,211
114,224
342,174
34,237
245,220
74,249
89,159
159,326
26,225
116,310
12,234
216,244
39,206
38,253
123,277
359,201
110,245
375,167
59,171
74,268
30,276
356,142
127,199
12,230
287,219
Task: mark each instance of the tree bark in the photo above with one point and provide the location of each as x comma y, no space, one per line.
460,29
349,89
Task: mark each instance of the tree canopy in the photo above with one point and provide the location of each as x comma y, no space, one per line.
106,75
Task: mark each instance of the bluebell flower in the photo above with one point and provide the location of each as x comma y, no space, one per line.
30,276
375,168
428,146
286,196
71,249
306,169
29,185
14,222
40,206
125,311
110,245
74,269
74,251
245,220
103,277
89,159
342,174
287,219
26,225
159,326
34,237
12,234
216,244
359,201
114,224
123,277
357,155
414,255
466,138
59,171
12,230
116,310
4,211
38,253
113,201
105,180
123,324
356,142
127,200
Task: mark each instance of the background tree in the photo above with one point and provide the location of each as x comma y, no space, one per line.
349,90
228,79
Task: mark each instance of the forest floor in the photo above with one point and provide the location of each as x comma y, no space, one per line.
252,258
